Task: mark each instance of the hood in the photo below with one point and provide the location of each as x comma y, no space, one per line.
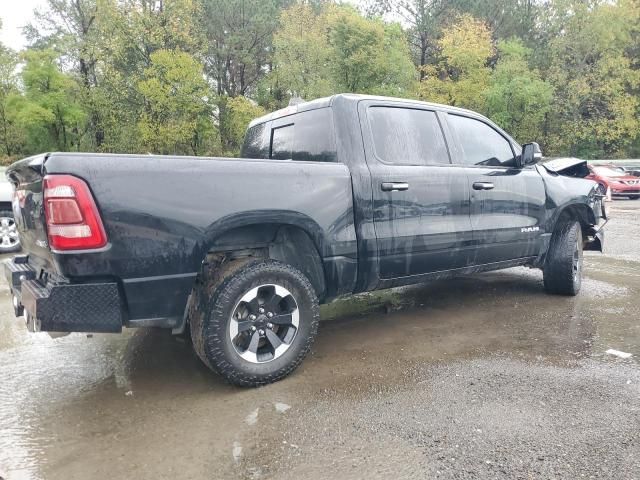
570,167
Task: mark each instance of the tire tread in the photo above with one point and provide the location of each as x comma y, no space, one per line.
558,268
212,295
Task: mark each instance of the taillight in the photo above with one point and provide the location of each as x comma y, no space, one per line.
73,220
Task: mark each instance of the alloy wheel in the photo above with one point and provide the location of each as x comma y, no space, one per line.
264,323
8,234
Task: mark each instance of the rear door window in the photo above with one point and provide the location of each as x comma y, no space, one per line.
282,142
314,136
304,136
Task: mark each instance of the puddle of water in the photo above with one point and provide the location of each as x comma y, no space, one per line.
67,397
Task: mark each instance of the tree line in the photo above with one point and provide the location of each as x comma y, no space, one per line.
186,76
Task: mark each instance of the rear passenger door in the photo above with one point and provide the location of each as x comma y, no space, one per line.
421,204
507,203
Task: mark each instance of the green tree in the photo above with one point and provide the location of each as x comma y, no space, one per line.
177,116
71,27
11,136
568,68
505,18
50,111
236,113
518,99
595,112
423,20
301,57
462,75
368,55
132,31
426,20
238,51
238,37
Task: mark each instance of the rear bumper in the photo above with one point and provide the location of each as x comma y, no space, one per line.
62,307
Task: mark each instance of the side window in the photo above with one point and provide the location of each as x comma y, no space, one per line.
305,136
282,142
481,144
315,140
255,145
309,137
406,136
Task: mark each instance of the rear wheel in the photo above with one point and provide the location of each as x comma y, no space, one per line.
563,264
9,240
255,322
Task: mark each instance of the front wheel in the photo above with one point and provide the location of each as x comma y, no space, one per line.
562,271
256,322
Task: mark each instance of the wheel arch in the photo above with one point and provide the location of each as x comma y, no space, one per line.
575,211
288,237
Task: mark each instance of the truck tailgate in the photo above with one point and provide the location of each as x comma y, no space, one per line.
28,209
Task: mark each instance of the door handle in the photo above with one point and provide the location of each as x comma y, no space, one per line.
394,186
483,186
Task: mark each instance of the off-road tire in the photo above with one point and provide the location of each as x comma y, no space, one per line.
216,296
559,273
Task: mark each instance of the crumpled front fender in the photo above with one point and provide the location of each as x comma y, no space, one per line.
597,242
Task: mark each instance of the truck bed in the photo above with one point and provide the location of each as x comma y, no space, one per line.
163,214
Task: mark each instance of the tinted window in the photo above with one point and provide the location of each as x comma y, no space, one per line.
255,145
481,144
303,136
314,136
282,142
407,136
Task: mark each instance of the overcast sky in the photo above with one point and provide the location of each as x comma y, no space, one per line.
15,14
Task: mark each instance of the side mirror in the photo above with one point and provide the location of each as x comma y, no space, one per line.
531,154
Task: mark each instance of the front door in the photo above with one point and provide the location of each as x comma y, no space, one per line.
421,203
507,203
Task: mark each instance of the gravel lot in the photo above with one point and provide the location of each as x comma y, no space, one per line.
476,377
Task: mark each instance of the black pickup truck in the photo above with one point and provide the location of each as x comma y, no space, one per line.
333,197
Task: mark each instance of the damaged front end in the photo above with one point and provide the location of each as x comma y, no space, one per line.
574,190
595,235
568,167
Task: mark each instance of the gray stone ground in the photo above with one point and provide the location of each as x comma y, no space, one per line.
477,377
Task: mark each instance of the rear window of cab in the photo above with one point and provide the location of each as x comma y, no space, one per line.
304,136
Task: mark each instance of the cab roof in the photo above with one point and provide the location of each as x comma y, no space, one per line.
351,97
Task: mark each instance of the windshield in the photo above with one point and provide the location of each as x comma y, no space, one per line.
609,172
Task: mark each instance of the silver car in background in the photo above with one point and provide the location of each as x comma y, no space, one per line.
9,240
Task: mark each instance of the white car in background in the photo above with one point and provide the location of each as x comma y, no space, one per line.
9,240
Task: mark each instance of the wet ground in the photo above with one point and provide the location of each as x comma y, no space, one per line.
477,377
